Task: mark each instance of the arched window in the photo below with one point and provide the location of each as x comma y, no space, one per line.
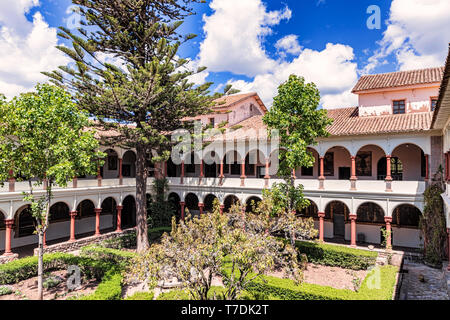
209,202
59,212
252,203
370,212
310,211
406,215
26,223
85,209
230,201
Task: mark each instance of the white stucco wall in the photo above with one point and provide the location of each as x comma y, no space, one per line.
380,103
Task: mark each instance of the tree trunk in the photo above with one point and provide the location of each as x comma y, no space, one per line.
141,201
40,265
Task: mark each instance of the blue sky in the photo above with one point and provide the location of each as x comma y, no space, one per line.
256,44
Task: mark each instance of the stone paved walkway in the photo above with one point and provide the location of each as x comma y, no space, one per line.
424,283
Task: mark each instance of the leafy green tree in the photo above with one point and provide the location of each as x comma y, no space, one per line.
44,139
127,73
236,255
296,116
161,209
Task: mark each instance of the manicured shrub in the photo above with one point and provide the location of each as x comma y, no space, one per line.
175,295
22,269
107,255
141,296
129,240
378,285
109,289
337,256
4,290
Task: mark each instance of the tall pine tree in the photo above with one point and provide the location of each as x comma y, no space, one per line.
146,92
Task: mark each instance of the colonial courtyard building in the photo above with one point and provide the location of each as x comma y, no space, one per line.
369,174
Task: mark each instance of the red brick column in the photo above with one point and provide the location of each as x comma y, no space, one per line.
201,206
294,175
388,221
353,177
97,221
353,229
222,207
182,173
182,204
221,175
321,176
120,171
243,172
75,182
202,174
73,214
321,226
388,174
119,218
9,225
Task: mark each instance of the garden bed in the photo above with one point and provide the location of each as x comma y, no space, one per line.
27,289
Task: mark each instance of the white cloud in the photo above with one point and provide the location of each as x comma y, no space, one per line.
289,44
26,48
235,43
418,33
233,36
331,69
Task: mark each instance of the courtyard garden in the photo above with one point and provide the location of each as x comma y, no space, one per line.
332,273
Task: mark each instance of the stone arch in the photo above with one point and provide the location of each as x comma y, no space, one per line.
370,212
174,200
412,158
229,201
211,160
129,164
367,160
232,163
406,215
338,162
254,160
59,212
311,211
191,200
129,212
85,209
111,166
209,202
338,212
312,172
25,223
251,202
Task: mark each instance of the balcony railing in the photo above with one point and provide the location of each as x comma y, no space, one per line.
366,186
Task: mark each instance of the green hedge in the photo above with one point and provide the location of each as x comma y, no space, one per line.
22,269
141,296
108,255
129,240
270,288
109,289
337,256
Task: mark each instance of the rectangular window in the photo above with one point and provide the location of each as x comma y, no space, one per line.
399,106
364,164
433,103
328,164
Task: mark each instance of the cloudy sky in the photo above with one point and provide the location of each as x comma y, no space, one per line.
255,44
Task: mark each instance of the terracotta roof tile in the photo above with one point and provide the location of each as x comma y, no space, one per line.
399,79
346,123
